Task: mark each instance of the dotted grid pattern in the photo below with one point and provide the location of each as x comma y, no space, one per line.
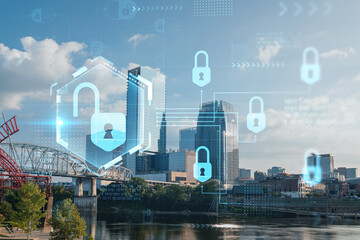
285,39
256,201
121,73
44,133
118,191
205,8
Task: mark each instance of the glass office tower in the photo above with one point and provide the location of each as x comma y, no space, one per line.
217,130
187,139
142,113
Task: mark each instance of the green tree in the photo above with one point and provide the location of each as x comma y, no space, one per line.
60,193
66,222
6,210
2,218
200,201
29,201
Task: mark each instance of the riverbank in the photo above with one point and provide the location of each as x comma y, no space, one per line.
19,234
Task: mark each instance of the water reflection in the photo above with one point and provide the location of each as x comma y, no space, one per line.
116,226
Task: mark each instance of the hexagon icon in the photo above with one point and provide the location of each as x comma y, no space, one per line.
91,114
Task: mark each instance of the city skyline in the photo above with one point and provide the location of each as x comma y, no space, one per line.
291,129
166,119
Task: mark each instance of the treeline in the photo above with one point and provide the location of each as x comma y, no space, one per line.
161,198
25,209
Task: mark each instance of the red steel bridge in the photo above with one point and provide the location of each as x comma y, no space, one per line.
23,162
12,176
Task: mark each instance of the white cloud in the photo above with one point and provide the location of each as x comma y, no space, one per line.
330,130
30,72
139,37
341,54
267,53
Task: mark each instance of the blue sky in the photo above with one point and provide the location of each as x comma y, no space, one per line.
329,112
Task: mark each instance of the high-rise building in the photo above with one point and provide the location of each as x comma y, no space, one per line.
217,130
187,139
145,164
182,161
162,138
326,162
244,173
275,171
259,176
347,172
351,173
141,117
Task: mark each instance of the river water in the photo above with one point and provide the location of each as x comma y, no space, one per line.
113,227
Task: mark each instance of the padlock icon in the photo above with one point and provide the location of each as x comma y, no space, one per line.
310,72
201,75
126,10
121,9
256,122
202,170
313,174
108,130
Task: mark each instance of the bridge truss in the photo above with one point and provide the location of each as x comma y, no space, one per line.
39,160
12,176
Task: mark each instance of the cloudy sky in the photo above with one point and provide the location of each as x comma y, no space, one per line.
254,49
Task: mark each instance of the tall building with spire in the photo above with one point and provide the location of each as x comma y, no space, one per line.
217,130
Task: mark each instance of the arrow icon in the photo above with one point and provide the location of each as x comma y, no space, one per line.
284,9
298,9
313,8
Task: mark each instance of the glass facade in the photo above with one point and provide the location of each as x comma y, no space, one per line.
326,162
177,161
142,116
187,139
217,130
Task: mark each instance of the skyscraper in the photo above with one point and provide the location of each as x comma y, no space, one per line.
182,161
347,172
351,173
244,173
326,162
275,171
142,115
259,176
187,138
162,138
217,130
